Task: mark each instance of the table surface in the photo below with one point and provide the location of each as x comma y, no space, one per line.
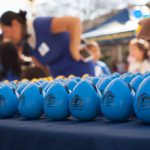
101,134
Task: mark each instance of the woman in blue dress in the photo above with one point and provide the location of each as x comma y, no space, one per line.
52,42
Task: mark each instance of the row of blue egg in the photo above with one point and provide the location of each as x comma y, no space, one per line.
117,97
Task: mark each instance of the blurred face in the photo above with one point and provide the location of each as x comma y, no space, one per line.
136,53
13,32
95,50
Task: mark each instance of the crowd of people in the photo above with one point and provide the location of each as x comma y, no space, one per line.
51,46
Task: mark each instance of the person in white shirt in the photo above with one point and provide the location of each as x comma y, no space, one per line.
138,54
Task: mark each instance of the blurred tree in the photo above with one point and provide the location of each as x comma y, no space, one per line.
85,9
89,11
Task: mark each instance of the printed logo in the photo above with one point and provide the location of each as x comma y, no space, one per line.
43,49
2,101
143,102
50,100
77,103
108,99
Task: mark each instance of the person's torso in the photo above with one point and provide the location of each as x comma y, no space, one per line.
53,50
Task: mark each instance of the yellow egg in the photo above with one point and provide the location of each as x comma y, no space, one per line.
85,76
50,78
138,30
24,80
34,80
40,78
71,76
15,81
60,77
6,81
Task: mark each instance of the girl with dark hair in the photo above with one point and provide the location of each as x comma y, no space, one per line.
53,43
139,53
10,68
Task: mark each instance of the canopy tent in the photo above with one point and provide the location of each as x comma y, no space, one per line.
118,27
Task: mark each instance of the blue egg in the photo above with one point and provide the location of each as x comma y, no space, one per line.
116,74
77,79
117,102
134,84
56,102
95,80
44,84
21,87
71,83
59,80
41,81
127,79
31,102
37,83
47,87
146,74
138,73
103,84
124,75
8,102
85,101
99,81
13,85
142,101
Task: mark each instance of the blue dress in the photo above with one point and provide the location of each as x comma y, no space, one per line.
53,50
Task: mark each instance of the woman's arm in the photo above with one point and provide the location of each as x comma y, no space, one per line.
74,27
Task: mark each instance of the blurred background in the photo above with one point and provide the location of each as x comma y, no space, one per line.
111,23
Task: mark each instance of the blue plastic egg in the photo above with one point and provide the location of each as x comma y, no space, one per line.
31,102
85,101
77,79
134,84
21,87
127,79
117,102
47,87
56,102
95,80
71,83
103,84
44,84
142,101
8,102
146,74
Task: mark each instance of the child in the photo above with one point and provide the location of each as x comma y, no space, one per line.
139,56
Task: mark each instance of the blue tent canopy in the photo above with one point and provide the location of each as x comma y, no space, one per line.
117,27
121,17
